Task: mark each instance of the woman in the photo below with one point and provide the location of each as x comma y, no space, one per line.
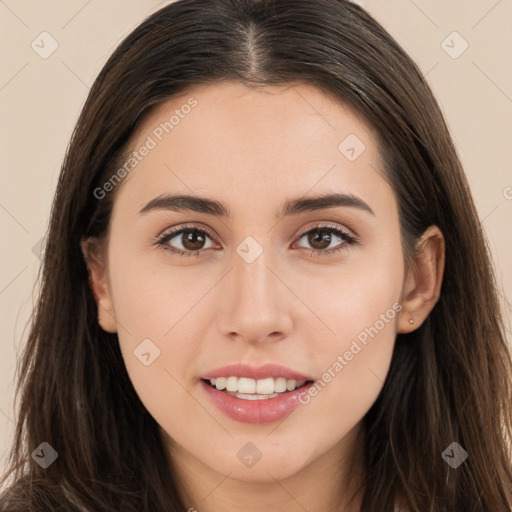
336,341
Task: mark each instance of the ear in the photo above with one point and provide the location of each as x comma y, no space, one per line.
95,260
423,282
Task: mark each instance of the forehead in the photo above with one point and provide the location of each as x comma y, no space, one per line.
227,139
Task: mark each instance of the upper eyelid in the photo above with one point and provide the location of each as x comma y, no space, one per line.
176,230
327,225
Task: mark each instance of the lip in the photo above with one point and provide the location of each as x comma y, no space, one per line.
256,372
255,411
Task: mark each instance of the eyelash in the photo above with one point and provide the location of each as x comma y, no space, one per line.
349,239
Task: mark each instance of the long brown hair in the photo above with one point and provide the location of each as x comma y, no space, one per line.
449,381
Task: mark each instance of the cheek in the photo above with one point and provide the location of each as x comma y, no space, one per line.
155,300
353,369
357,299
156,308
360,306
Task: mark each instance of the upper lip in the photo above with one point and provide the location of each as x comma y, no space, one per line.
256,372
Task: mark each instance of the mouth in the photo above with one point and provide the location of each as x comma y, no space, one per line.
257,401
245,388
250,394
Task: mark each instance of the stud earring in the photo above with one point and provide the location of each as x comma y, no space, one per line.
411,321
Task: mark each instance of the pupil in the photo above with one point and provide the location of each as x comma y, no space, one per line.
319,237
193,240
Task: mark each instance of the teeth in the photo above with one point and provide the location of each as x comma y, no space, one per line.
219,383
232,384
246,385
264,386
280,385
256,389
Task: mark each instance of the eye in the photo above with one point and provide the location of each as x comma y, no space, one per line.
190,240
321,237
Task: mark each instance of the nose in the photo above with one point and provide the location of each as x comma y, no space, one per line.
256,305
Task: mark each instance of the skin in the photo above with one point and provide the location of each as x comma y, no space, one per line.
253,150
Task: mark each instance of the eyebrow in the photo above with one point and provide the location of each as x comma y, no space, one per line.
293,207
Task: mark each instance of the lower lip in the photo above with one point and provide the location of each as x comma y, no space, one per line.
256,411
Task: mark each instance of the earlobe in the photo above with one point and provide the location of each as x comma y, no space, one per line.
98,282
423,283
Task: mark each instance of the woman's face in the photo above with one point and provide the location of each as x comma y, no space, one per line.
272,275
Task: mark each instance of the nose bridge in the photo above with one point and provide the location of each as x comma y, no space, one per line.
253,278
256,307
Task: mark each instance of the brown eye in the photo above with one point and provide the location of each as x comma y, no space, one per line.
321,237
188,241
192,239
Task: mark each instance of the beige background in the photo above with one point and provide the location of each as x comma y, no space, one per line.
40,100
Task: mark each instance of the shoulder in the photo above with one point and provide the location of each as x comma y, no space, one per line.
27,496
